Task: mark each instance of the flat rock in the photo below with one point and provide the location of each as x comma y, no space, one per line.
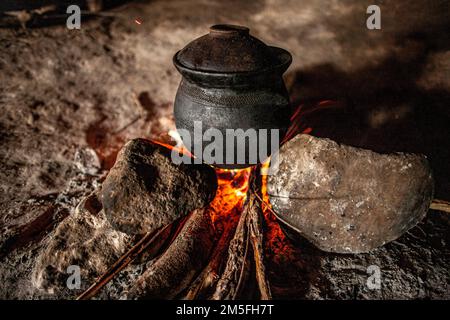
348,200
145,190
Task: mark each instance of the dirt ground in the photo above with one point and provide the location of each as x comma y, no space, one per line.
70,98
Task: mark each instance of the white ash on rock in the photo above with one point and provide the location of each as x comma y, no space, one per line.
87,161
345,199
145,190
86,240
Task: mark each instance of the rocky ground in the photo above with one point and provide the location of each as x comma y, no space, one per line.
70,98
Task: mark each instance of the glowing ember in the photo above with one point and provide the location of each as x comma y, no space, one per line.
231,196
231,190
231,193
181,150
276,240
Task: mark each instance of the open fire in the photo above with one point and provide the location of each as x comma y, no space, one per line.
94,206
242,195
231,193
228,213
240,251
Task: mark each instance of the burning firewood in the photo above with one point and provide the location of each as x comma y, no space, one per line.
170,274
256,239
221,251
158,230
233,277
247,245
208,278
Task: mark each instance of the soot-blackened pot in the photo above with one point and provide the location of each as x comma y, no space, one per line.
231,81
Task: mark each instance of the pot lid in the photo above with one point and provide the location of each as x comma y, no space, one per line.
226,49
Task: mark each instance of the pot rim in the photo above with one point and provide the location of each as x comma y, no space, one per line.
213,78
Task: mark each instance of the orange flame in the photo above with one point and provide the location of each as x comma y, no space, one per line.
276,241
230,198
232,187
181,150
231,193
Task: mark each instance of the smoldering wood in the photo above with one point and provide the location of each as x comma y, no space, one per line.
257,238
232,278
178,266
208,278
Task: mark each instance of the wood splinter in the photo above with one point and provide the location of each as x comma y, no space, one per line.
231,281
142,245
256,237
248,232
440,205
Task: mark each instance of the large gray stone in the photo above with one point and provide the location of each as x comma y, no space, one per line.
145,190
348,200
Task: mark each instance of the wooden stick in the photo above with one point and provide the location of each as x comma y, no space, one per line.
440,205
120,264
209,276
175,269
256,237
436,204
265,204
231,280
